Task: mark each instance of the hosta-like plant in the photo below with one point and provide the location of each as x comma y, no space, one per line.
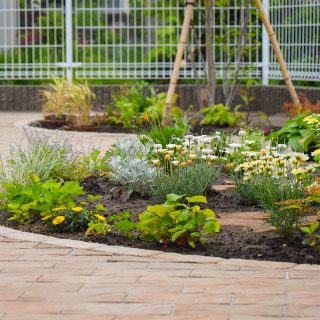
179,220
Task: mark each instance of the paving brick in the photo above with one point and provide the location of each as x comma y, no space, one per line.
10,294
299,310
260,299
210,310
119,309
260,264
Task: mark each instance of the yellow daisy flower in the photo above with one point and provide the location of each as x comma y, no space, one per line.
100,217
77,209
47,217
58,220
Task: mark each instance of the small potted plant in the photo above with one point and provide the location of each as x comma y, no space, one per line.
67,104
56,103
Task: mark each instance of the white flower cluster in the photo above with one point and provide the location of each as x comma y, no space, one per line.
271,163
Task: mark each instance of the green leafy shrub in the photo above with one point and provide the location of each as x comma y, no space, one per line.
179,220
139,105
220,115
298,133
122,222
25,203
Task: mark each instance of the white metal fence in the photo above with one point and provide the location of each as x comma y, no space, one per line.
117,39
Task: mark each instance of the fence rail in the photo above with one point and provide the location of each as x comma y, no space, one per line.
132,39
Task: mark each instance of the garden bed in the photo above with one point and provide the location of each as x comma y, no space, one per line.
231,242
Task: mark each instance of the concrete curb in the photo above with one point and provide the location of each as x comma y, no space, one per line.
150,254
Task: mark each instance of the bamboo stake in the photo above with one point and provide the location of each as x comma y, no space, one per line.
277,51
177,63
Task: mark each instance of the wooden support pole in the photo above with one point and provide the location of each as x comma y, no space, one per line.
277,51
178,60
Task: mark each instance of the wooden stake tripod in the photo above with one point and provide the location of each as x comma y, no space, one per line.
184,37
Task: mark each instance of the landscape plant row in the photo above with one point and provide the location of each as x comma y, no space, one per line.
43,182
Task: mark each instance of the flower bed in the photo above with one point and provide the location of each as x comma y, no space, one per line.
155,191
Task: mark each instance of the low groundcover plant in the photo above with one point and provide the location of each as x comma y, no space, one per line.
179,220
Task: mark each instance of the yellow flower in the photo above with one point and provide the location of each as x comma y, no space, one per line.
57,209
297,171
47,217
167,157
100,217
77,209
58,220
316,152
311,120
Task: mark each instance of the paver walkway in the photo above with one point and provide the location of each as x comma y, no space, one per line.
46,278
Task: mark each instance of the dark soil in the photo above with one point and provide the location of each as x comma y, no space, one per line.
231,242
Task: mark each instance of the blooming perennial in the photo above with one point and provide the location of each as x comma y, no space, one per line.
274,164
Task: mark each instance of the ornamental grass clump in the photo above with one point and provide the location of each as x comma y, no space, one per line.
186,167
44,156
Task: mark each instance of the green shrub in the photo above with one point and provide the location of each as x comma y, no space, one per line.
27,202
159,134
298,133
220,115
179,220
191,180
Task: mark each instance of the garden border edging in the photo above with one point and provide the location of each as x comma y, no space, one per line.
142,253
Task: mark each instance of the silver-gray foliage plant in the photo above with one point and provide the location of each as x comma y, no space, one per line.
130,167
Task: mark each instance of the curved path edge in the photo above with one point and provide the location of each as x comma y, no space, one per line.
135,252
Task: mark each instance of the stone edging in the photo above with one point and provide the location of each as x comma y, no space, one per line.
142,253
26,124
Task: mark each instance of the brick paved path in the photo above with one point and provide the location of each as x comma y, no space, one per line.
46,278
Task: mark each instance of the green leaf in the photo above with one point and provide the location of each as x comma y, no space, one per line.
34,179
192,244
177,234
198,199
314,226
94,198
184,215
173,197
101,207
208,213
157,209
305,229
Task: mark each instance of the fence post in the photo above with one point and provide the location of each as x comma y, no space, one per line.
69,40
265,47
